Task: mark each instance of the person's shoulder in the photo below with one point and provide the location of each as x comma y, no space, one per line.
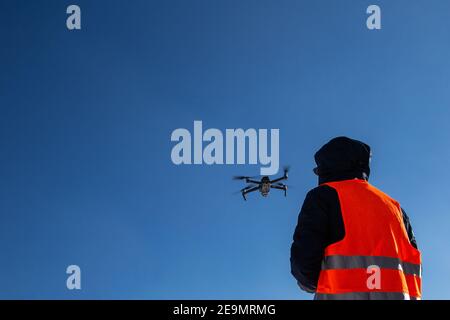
323,198
384,195
322,192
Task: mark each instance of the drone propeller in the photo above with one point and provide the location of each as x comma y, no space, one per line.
286,169
242,177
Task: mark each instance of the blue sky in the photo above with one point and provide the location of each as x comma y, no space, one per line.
86,118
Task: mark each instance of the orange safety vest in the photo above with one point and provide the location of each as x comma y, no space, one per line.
375,260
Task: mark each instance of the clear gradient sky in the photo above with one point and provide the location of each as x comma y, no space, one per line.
86,117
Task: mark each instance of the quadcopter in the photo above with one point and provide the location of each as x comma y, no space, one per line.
264,185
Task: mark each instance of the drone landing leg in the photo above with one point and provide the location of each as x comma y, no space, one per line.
248,190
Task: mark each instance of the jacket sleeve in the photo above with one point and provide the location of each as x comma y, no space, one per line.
409,230
309,242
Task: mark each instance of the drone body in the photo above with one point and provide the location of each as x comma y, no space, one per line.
264,185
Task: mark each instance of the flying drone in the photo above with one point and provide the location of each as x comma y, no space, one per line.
264,185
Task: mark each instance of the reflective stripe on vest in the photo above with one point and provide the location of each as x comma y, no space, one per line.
365,296
358,262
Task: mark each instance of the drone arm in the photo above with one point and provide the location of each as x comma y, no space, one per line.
280,187
279,179
253,181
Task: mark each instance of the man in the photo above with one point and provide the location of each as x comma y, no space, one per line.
353,241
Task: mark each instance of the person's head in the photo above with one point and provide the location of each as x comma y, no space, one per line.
342,158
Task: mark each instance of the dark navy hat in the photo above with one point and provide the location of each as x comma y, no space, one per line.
342,155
